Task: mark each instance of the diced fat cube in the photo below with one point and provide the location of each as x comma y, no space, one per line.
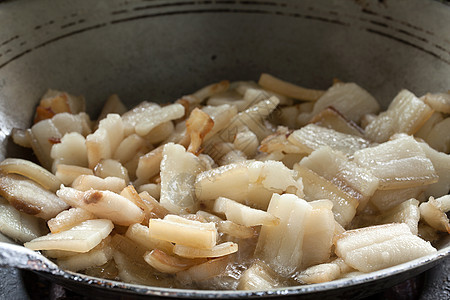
103,204
83,261
30,170
71,151
388,253
178,172
281,246
384,200
111,168
312,137
189,233
69,218
87,182
258,276
358,238
288,89
242,214
441,163
439,101
399,163
316,187
406,114
349,99
249,182
29,197
159,116
356,181
333,119
438,138
319,233
80,238
433,212
216,251
68,173
323,272
105,140
17,225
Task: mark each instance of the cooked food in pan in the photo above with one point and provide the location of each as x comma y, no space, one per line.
239,185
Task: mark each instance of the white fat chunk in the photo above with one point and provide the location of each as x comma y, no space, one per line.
178,172
80,238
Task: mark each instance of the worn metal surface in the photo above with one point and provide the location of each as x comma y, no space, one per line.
159,50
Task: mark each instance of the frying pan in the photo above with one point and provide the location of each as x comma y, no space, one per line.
159,50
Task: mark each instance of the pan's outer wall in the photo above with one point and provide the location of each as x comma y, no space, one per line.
159,50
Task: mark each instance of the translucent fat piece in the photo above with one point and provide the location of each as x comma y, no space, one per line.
249,182
69,218
178,172
433,212
281,246
68,173
70,151
103,204
242,214
140,234
221,115
217,251
323,272
333,119
388,253
288,89
406,212
83,261
149,165
29,197
17,225
138,114
113,105
441,163
348,176
190,233
279,142
46,133
211,268
425,130
316,187
139,272
384,200
349,99
42,136
258,276
359,238
159,116
438,138
312,137
252,118
80,238
400,163
31,170
198,125
129,147
87,182
319,233
111,168
165,263
406,114
104,141
439,102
